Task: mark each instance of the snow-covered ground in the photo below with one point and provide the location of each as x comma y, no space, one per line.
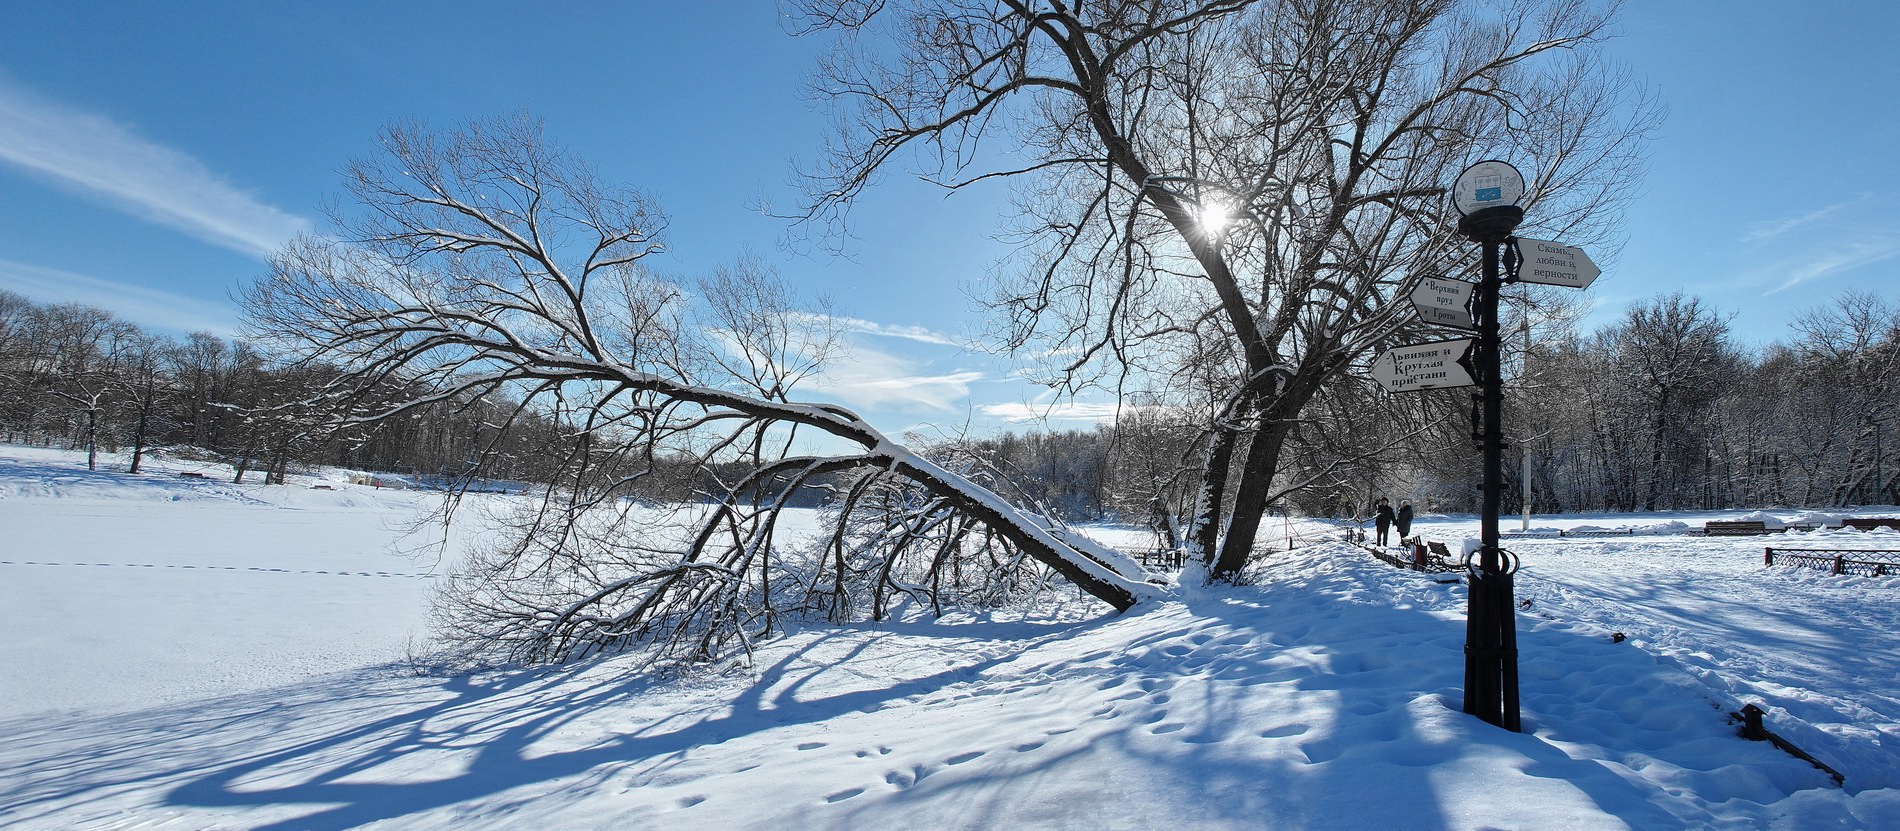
184,653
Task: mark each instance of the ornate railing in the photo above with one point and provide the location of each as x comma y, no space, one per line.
1861,561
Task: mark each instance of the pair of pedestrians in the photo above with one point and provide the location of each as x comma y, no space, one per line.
1384,518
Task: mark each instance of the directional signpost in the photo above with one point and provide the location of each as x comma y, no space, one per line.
1443,302
1554,264
1486,194
1424,366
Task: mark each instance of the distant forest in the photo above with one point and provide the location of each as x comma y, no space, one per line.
1661,409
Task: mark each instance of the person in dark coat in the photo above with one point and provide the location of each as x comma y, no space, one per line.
1382,517
1404,520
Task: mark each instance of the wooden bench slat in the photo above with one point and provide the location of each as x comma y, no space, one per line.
1734,528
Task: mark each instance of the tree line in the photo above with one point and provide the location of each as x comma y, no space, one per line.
1662,408
79,377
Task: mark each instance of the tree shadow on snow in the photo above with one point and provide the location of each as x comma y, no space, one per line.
1263,708
379,744
1291,710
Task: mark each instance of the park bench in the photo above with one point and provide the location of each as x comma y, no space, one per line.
1440,556
1161,558
1735,528
1435,558
1871,523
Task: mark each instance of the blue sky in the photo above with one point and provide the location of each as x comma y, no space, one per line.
150,153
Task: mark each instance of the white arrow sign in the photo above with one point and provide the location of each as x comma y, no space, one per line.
1554,264
1424,366
1444,302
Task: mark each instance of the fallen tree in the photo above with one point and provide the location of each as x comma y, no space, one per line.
488,265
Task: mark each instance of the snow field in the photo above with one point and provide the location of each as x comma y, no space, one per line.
127,591
1818,652
1325,696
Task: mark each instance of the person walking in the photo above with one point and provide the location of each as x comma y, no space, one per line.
1404,520
1382,517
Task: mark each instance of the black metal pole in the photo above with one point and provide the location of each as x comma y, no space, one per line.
1491,625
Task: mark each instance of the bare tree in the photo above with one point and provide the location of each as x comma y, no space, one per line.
1849,355
17,363
78,350
489,265
1667,361
1150,468
143,385
1226,196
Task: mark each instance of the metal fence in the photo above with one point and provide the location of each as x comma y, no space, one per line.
1861,561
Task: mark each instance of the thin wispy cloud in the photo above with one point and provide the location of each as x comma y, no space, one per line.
1774,228
1017,412
151,308
1846,256
98,157
872,378
871,327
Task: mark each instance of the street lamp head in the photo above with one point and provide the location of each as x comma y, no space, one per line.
1485,185
1491,224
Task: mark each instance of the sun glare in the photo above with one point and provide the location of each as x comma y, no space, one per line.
1215,216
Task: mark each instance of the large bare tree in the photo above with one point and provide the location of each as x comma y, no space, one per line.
1224,201
489,265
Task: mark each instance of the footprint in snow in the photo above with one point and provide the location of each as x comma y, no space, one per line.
1285,731
960,758
844,794
1170,727
690,801
810,745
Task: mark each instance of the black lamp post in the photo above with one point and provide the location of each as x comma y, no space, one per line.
1486,194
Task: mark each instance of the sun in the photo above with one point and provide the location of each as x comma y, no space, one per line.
1214,217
